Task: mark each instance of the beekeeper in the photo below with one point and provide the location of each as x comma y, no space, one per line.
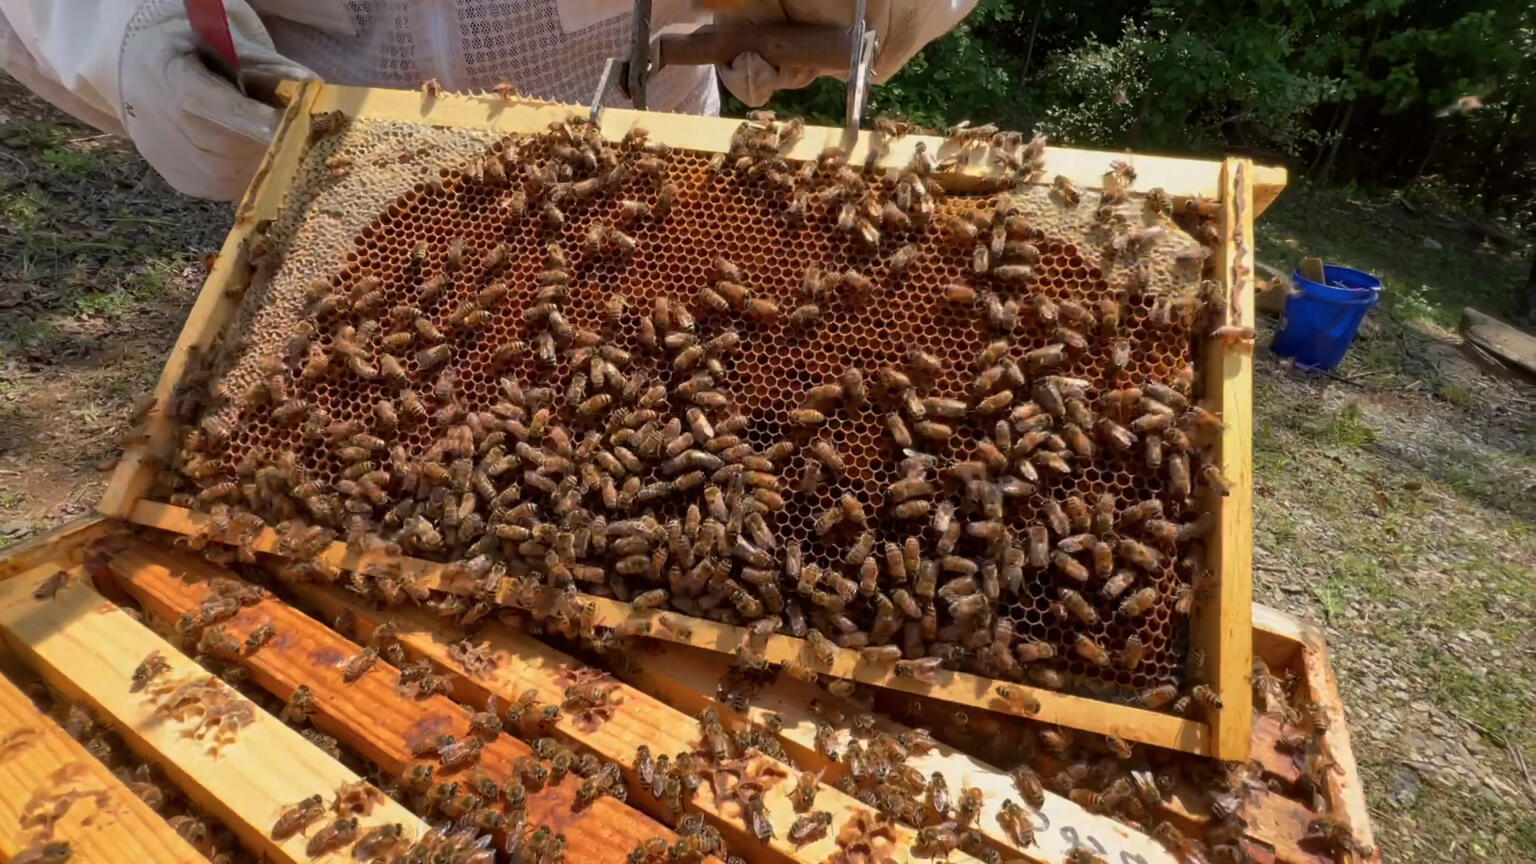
132,68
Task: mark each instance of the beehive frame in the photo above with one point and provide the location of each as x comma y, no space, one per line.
61,639
1242,189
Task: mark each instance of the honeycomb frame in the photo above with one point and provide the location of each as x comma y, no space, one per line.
1237,185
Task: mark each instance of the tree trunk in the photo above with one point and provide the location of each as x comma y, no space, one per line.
1029,53
1349,110
1528,297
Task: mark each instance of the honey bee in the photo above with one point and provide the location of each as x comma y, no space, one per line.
259,637
339,833
1070,567
50,586
359,665
379,841
902,258
1233,336
1066,190
809,826
1089,649
1141,555
1078,606
1206,696
761,309
152,666
299,704
925,670
805,315
1014,272
1157,697
296,817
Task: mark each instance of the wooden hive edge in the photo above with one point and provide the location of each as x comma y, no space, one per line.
58,547
1276,637
87,648
1346,794
42,768
217,302
370,715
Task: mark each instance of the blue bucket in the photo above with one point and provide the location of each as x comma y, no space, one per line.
1321,320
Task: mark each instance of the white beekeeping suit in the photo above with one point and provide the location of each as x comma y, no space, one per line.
132,67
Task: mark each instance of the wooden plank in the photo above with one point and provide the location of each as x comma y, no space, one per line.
1268,182
1133,724
1085,168
42,769
686,677
1346,795
369,715
59,546
87,648
1223,628
523,663
1277,639
1508,346
215,306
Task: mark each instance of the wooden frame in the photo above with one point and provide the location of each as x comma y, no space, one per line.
1242,188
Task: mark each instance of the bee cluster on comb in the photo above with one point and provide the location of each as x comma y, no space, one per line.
813,397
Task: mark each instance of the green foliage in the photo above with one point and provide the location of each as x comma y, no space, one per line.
1346,90
964,74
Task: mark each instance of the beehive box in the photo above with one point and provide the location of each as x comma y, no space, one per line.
413,233
84,608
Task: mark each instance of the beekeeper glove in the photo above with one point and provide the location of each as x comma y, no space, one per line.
194,127
903,27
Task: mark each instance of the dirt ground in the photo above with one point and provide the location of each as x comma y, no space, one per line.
1396,498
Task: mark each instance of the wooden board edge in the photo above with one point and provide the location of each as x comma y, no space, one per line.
1268,182
41,767
1278,638
215,306
1085,168
1346,792
1223,629
87,648
1131,723
59,546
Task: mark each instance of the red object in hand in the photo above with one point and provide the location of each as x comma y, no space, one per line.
211,24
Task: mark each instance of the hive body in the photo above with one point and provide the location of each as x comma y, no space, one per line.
386,218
